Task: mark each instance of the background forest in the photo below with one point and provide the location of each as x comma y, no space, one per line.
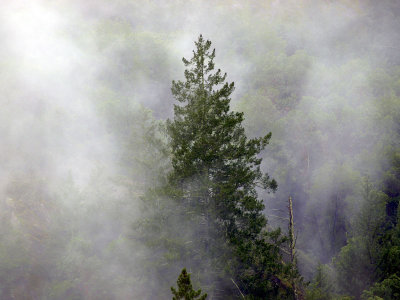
88,169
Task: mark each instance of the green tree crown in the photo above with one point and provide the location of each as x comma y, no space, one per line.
216,170
185,290
208,142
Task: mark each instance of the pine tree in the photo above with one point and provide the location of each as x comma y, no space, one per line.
208,142
185,290
215,174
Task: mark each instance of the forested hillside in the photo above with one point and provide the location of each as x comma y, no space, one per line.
265,164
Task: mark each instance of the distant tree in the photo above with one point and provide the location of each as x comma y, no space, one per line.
185,290
357,263
321,286
388,289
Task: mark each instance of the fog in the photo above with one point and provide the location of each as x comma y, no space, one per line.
85,86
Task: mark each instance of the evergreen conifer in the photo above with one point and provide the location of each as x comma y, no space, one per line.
215,174
185,290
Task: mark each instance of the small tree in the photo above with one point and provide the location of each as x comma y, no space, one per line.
185,290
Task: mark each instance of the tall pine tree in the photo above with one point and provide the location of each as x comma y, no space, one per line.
215,174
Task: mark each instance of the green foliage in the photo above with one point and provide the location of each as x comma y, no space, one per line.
185,290
208,142
388,289
390,253
331,101
215,174
262,273
321,287
357,262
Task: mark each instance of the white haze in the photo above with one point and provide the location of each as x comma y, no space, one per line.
58,72
46,102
